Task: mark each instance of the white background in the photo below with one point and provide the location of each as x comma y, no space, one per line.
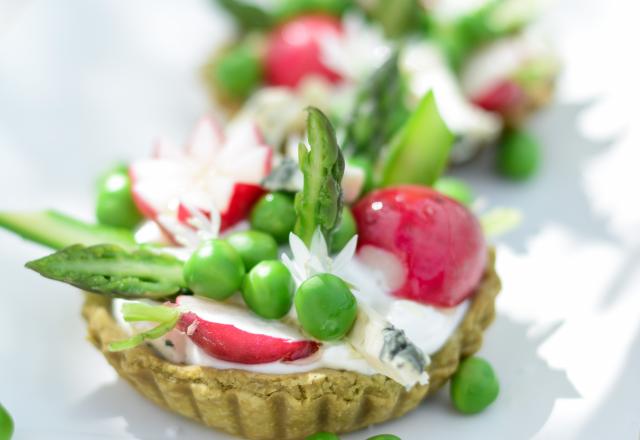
88,82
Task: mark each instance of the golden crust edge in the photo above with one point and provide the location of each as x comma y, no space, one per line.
264,406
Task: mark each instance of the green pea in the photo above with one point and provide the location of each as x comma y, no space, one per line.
268,289
326,307
115,206
474,386
6,424
215,270
253,247
518,156
238,71
347,229
274,214
367,168
384,437
455,189
322,436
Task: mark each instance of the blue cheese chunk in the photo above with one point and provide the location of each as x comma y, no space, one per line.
387,349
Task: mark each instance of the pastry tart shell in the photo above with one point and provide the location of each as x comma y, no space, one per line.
268,406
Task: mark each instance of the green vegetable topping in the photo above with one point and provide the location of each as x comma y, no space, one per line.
246,14
326,307
113,271
319,204
454,188
253,247
115,205
57,231
474,386
494,19
398,17
268,289
238,72
346,230
322,436
379,111
165,317
215,270
384,437
274,214
6,424
420,151
286,9
518,155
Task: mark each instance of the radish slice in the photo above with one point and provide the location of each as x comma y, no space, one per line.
227,332
206,139
229,343
214,174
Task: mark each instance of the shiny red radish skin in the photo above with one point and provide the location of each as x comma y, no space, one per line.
293,50
229,343
500,98
438,240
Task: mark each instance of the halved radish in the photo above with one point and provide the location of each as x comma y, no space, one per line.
234,334
501,97
229,343
293,50
438,242
213,173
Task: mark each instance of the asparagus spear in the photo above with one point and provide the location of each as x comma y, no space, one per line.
56,230
319,204
111,270
420,150
378,112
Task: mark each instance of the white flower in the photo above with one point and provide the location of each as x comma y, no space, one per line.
180,188
315,259
356,53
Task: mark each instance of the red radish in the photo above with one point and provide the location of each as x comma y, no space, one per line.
229,343
294,52
213,173
501,97
437,239
243,198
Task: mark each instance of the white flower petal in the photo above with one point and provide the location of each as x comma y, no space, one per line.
346,254
298,249
319,245
293,269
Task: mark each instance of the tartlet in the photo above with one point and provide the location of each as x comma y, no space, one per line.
490,71
269,407
271,316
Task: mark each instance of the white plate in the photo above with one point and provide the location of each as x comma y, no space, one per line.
84,84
